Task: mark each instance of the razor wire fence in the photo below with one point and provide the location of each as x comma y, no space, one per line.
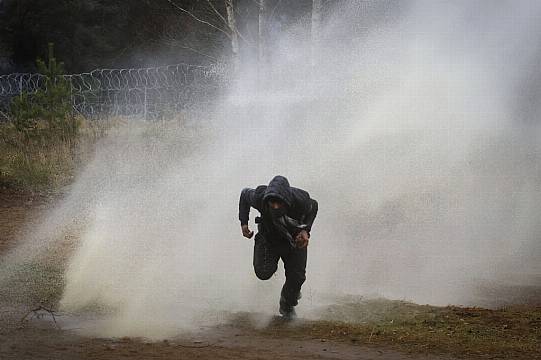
150,93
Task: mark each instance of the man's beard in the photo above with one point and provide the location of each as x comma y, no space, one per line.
277,213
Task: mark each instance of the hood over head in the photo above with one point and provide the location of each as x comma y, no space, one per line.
279,188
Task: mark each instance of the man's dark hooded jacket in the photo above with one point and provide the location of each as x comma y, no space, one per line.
301,209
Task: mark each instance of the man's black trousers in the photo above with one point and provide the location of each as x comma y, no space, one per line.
267,252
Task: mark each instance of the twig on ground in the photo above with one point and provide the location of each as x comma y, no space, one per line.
35,312
371,333
196,346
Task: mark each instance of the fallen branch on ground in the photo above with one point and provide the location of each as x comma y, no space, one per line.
38,315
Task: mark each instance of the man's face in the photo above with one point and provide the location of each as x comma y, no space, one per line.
276,204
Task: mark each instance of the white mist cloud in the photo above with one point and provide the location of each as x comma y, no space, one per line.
406,133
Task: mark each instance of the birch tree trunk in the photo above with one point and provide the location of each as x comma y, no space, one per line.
234,33
262,31
316,30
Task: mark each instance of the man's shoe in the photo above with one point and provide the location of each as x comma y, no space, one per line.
288,312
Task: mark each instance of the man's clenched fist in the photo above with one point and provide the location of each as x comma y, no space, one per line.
302,239
246,231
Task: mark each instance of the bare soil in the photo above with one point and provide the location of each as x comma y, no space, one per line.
39,337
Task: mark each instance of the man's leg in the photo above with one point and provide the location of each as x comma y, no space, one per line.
295,266
265,258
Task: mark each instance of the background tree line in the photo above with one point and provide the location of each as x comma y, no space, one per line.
91,34
43,140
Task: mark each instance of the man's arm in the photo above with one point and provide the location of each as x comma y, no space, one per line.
302,237
310,215
246,201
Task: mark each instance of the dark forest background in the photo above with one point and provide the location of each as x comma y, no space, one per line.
90,34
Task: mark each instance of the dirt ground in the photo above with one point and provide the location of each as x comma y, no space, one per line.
39,337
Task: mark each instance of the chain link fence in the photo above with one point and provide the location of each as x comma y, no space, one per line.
150,93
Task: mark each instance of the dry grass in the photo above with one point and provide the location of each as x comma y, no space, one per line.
509,333
41,160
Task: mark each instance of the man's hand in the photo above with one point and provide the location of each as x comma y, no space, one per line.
246,231
302,239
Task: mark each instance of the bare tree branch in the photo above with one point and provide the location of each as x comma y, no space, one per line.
271,16
248,42
4,115
217,12
199,19
225,21
243,38
170,39
231,22
197,52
